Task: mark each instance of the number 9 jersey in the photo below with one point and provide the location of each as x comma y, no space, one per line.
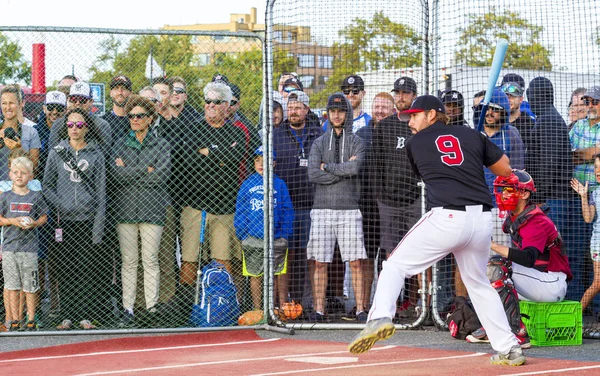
449,160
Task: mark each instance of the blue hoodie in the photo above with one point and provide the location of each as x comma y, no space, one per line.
506,138
249,209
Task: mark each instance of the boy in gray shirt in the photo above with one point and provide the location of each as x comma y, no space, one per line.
21,210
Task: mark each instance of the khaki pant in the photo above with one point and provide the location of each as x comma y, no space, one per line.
150,235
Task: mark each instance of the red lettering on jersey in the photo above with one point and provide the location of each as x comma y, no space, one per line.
20,207
449,146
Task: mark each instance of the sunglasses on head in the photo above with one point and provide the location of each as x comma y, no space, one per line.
511,89
55,107
353,91
80,100
289,89
215,101
78,124
179,90
593,102
137,116
495,109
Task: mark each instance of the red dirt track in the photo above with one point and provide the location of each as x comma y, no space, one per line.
245,353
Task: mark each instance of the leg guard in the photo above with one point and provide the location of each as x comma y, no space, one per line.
499,272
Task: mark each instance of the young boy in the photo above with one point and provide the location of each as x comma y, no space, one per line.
249,221
21,210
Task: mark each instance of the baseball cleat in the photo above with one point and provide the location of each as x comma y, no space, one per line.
375,330
514,357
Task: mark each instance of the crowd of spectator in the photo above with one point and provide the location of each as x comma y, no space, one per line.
153,173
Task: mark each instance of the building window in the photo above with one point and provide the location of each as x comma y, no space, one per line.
278,36
323,80
290,37
203,59
325,61
306,61
307,81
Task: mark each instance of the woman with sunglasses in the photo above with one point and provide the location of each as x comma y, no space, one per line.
74,187
141,168
13,133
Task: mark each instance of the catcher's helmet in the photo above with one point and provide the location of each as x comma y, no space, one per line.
519,180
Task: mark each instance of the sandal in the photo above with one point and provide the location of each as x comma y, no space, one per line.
86,325
65,325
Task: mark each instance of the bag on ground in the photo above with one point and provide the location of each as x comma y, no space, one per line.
463,321
218,304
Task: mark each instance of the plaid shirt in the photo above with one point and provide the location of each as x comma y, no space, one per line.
583,136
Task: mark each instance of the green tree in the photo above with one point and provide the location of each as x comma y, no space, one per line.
282,62
370,45
13,66
477,41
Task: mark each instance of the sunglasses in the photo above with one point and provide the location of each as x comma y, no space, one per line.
55,107
233,102
153,100
80,100
137,116
593,102
179,90
512,89
289,89
215,101
505,189
78,124
353,91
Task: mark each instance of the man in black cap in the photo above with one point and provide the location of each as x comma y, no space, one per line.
455,107
120,90
405,92
398,198
450,161
353,88
513,77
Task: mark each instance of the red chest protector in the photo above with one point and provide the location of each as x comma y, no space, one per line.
553,258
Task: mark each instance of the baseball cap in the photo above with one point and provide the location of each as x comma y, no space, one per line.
220,77
452,96
513,88
299,96
121,81
593,92
423,103
80,89
260,151
405,84
56,97
338,101
513,77
294,81
353,81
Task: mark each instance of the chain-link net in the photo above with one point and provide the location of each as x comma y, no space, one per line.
380,57
140,148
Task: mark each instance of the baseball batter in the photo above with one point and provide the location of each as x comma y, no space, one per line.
450,161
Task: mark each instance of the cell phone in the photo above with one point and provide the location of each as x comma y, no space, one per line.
58,235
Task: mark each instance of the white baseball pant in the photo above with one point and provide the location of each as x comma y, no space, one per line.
539,287
467,234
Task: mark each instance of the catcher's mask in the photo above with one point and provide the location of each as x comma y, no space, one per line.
507,189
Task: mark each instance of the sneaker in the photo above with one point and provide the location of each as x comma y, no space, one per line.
127,319
362,317
31,326
316,317
478,336
14,326
514,357
376,330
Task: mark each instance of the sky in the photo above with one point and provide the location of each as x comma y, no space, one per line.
124,14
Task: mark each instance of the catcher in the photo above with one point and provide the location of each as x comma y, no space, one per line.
535,266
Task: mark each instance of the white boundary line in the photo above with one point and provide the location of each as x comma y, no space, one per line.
553,371
370,365
225,362
138,351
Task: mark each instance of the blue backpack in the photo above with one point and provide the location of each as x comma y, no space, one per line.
217,303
